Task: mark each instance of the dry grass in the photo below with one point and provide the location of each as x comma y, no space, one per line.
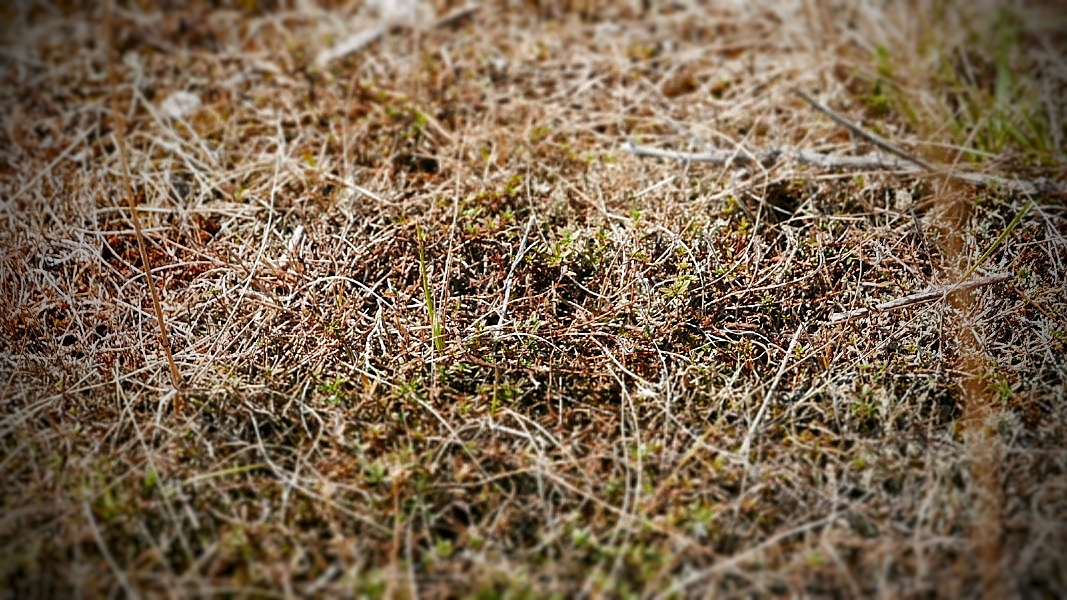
440,336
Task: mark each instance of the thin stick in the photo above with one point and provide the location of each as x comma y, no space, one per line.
867,135
458,15
768,158
362,39
350,45
511,272
146,264
1038,186
921,297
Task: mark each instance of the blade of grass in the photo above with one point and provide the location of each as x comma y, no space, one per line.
1000,240
435,324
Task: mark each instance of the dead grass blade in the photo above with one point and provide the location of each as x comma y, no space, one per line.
119,120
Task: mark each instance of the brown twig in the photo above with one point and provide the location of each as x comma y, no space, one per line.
457,15
350,45
867,135
362,39
146,264
1037,186
909,163
768,158
921,297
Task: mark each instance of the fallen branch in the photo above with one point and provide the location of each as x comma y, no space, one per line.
921,297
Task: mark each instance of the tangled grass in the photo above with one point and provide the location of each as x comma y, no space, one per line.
438,334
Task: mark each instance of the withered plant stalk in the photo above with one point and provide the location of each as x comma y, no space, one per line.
146,265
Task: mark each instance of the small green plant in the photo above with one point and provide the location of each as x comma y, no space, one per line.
436,328
679,288
442,550
865,410
374,473
333,389
151,479
562,248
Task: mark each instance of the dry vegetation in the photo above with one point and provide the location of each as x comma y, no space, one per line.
439,334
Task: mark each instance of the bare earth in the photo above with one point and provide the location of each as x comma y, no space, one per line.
531,298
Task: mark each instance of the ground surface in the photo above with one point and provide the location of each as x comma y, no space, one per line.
439,333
